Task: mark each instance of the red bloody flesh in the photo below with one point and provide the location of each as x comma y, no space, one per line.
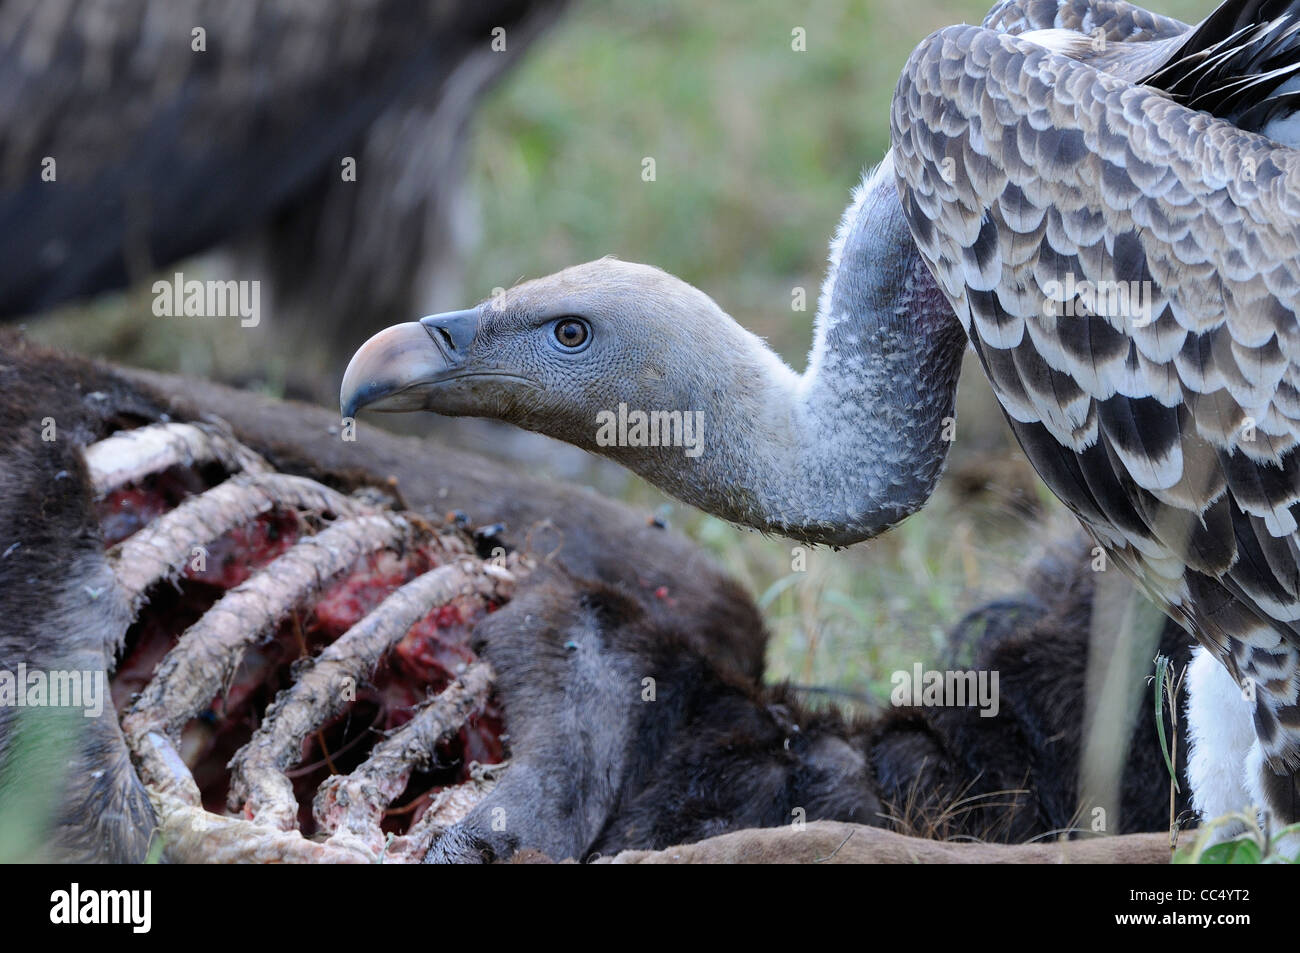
128,509
431,654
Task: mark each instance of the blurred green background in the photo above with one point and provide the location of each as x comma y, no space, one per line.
756,148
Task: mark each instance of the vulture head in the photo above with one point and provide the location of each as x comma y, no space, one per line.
551,354
630,362
618,358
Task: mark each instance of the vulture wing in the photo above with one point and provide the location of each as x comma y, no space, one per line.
1116,21
1128,272
138,132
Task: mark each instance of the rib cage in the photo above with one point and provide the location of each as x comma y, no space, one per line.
342,530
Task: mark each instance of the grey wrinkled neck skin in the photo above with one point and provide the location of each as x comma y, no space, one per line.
856,443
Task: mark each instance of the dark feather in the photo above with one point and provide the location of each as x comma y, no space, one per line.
163,152
1235,60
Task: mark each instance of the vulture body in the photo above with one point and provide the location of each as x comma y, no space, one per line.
1093,191
1169,424
165,144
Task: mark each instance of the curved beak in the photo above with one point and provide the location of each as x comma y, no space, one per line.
396,368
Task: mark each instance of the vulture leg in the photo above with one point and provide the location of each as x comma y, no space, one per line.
1220,732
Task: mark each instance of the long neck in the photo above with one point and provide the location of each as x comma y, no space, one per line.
857,442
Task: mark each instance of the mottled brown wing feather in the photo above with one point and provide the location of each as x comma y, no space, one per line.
1165,411
1117,21
1120,38
163,149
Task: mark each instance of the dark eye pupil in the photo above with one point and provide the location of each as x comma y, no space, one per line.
571,333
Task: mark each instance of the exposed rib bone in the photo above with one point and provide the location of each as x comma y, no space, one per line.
320,690
352,805
171,775
193,835
161,549
450,806
131,455
207,654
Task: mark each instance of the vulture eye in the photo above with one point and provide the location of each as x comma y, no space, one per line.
572,334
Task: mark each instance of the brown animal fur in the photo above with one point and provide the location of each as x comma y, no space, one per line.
597,769
47,621
600,768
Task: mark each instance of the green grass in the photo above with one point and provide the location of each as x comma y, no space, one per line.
854,616
40,747
1253,845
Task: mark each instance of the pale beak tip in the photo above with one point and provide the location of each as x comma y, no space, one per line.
348,406
393,370
356,391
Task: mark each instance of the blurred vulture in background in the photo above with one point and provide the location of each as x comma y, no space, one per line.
176,126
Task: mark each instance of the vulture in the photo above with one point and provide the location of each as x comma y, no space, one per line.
1104,204
141,132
